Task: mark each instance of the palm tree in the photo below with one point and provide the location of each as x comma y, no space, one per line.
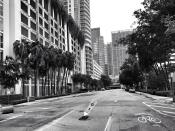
59,66
22,51
36,61
70,65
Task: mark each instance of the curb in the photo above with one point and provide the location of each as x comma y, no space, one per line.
56,98
165,99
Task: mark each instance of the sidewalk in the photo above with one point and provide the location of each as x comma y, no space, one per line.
51,99
163,99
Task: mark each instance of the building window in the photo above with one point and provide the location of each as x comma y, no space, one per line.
52,30
33,14
41,11
56,42
24,19
41,31
56,26
24,31
33,4
33,36
52,22
52,39
33,25
24,7
46,16
41,40
46,35
56,34
41,21
46,25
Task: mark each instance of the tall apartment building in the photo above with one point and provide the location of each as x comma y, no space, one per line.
106,66
109,58
118,51
95,43
34,20
98,47
70,6
85,23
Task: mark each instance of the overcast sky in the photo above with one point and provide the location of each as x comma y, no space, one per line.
113,15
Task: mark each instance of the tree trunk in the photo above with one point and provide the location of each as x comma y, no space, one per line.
43,86
165,77
35,75
63,80
58,79
48,83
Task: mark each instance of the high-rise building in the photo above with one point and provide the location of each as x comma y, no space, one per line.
35,20
85,23
106,66
95,43
98,47
118,51
101,53
109,58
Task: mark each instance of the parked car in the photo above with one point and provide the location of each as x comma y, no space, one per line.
132,90
102,89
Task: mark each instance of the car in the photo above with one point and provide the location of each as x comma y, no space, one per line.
102,89
132,90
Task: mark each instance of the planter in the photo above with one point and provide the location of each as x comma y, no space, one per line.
7,109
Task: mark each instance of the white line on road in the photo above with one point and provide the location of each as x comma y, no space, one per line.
169,112
162,107
108,124
157,110
10,118
46,127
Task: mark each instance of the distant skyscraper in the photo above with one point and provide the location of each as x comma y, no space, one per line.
95,43
98,47
106,70
77,11
109,58
118,51
80,11
85,23
101,53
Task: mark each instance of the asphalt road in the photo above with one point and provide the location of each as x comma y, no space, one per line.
111,110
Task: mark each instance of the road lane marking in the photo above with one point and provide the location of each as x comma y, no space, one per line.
108,124
10,118
169,112
47,126
163,107
157,110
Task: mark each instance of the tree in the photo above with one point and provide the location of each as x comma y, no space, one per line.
149,41
9,73
131,73
36,61
22,52
105,80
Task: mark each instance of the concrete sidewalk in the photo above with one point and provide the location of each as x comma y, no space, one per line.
55,98
157,98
